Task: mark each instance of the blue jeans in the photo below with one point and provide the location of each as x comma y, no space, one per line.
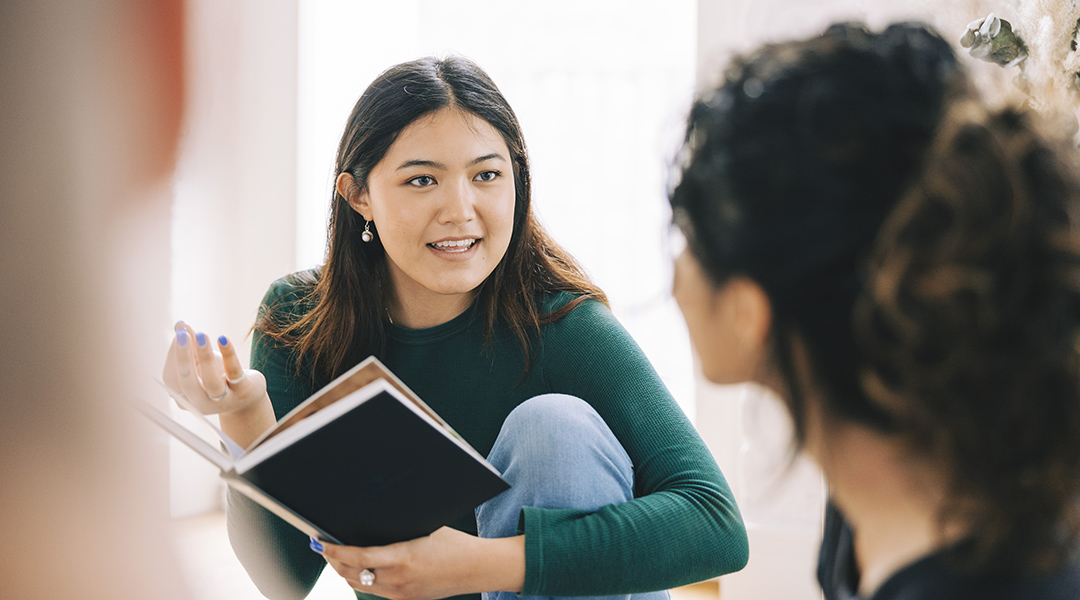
556,452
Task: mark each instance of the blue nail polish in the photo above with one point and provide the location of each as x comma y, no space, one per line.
178,323
181,337
200,338
223,341
316,546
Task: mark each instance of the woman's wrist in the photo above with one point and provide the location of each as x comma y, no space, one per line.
245,425
502,564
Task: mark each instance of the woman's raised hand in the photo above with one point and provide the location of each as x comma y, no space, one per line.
212,379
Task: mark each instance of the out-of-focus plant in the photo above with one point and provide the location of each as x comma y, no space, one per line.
992,39
1042,42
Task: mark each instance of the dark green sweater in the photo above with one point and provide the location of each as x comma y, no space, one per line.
683,525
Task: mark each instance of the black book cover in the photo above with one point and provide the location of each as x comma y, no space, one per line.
362,462
375,475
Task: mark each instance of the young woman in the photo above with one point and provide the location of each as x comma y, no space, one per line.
902,265
437,265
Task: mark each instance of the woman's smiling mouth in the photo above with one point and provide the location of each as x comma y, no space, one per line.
454,246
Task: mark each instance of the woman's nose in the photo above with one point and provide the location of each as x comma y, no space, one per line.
457,205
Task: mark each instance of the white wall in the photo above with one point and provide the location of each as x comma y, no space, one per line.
233,226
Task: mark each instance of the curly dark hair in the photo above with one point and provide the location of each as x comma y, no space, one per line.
923,249
970,324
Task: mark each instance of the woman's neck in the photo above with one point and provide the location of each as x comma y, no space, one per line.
415,311
890,499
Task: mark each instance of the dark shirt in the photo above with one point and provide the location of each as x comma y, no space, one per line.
682,525
930,578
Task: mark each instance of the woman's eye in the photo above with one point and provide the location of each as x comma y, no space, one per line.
422,181
488,176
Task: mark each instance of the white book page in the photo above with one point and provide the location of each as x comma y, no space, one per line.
234,449
186,436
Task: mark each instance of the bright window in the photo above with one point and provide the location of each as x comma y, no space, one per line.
600,87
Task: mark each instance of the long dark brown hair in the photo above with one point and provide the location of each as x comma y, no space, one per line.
350,293
924,249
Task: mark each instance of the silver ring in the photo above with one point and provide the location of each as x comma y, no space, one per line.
367,577
216,398
238,380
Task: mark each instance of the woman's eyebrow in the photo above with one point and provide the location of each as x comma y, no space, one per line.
421,163
438,165
481,159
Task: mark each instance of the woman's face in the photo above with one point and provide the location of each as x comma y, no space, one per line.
443,202
728,324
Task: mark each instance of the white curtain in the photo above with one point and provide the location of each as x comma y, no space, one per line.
600,87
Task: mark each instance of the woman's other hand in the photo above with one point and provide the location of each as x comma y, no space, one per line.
446,563
209,375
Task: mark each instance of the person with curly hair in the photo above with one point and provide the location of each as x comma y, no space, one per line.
901,264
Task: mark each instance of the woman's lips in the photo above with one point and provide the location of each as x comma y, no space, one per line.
454,246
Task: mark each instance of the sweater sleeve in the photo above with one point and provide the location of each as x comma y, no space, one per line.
683,524
274,554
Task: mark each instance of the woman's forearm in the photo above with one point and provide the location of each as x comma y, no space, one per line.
501,566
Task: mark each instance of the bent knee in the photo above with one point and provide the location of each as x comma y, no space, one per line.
560,444
553,412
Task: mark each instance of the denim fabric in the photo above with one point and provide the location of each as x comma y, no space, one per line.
556,452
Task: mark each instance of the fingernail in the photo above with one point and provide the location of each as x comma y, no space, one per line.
200,338
178,323
316,546
181,337
223,341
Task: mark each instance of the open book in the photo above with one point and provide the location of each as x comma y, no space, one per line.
362,462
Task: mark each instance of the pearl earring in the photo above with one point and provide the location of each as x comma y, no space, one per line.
367,236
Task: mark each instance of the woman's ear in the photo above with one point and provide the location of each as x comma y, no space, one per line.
750,319
754,314
356,196
728,322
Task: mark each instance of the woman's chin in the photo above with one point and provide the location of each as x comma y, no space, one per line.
457,287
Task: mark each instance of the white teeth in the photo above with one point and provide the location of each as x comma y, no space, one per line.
454,245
